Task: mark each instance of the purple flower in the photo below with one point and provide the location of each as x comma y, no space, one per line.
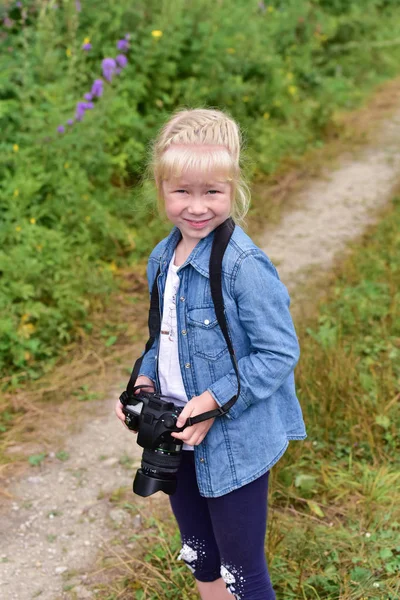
87,47
70,122
18,4
88,96
80,110
108,65
78,6
89,105
122,45
97,88
121,60
61,129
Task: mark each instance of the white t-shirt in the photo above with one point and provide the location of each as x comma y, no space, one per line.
169,371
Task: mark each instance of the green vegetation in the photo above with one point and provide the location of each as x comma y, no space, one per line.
334,513
72,212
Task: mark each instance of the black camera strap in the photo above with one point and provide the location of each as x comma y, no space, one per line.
222,236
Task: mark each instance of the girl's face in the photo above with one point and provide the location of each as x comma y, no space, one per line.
196,205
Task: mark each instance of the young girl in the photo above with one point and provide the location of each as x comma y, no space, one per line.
222,483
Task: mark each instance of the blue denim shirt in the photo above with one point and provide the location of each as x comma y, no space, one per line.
243,444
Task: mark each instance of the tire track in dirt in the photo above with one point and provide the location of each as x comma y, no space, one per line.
61,515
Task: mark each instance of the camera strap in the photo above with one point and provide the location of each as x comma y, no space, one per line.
222,235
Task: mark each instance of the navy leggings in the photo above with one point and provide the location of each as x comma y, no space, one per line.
224,537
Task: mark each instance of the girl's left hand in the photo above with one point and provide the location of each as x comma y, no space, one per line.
195,434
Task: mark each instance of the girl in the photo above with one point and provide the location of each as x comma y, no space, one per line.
222,483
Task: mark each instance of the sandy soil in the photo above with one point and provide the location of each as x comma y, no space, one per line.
61,513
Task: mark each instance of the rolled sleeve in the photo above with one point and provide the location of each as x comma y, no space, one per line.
263,310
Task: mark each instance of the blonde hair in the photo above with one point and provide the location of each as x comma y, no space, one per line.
201,126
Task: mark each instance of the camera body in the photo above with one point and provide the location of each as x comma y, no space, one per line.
154,419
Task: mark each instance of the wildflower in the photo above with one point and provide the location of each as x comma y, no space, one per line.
266,115
70,122
156,33
7,22
121,60
87,218
18,228
78,6
289,76
32,221
261,6
108,65
68,52
66,165
86,40
231,50
81,107
87,46
61,129
97,88
113,267
122,45
15,147
368,535
292,89
88,96
16,193
271,9
375,584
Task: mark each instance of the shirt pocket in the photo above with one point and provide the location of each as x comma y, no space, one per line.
207,339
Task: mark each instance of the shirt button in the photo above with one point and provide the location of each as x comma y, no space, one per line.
206,322
182,298
183,332
187,366
202,460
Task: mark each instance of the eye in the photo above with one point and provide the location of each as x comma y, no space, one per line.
179,191
213,192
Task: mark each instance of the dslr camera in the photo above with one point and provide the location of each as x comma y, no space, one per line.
154,417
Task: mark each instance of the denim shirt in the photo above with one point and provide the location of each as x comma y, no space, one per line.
243,444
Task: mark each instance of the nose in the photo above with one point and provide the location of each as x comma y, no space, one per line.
197,206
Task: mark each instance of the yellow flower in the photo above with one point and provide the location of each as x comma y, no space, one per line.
156,33
18,228
113,267
87,218
15,147
26,330
246,98
68,52
292,89
271,9
266,115
33,221
16,193
25,317
86,40
66,165
289,76
231,50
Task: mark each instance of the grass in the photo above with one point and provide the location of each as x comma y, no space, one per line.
334,508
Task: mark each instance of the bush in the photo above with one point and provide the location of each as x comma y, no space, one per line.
72,211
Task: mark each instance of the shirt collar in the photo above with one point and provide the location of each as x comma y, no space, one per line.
199,258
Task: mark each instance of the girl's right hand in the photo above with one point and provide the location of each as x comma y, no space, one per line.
141,380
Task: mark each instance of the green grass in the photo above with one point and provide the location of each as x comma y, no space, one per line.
334,510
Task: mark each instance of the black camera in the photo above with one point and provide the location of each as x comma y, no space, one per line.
154,417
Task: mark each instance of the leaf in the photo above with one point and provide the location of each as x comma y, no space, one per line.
36,459
111,340
315,508
304,481
383,421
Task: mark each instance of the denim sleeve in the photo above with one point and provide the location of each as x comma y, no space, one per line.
263,308
148,366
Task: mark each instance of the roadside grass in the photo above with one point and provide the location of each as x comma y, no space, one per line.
334,509
34,412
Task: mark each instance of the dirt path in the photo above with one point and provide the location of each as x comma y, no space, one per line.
61,513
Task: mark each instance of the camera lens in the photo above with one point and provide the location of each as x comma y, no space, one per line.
158,470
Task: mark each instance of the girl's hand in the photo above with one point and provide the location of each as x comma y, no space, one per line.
141,380
195,434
